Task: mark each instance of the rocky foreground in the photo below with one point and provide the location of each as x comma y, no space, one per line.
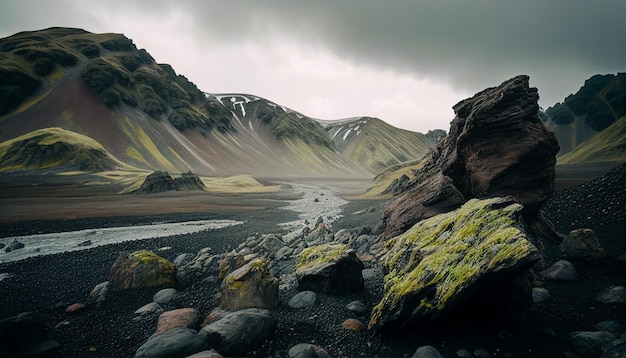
124,321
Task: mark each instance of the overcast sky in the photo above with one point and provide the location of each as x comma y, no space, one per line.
404,61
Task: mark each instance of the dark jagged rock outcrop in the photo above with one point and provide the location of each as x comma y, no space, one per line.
497,146
159,182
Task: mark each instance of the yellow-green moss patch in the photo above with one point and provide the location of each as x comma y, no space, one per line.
319,255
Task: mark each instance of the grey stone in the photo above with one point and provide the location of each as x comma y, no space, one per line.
581,244
427,352
14,245
591,344
540,294
203,265
303,299
206,354
151,311
481,353
613,294
614,327
239,332
167,298
561,271
464,353
306,350
617,349
356,307
99,293
176,342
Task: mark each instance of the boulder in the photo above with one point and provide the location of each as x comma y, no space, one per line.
591,344
613,294
167,298
203,265
141,269
496,146
176,342
307,350
250,286
98,294
427,352
329,269
239,332
581,244
562,270
303,299
480,252
182,317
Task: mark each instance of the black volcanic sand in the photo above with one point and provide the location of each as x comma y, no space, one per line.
47,285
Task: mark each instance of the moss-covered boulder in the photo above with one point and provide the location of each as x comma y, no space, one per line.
479,252
250,286
141,269
330,269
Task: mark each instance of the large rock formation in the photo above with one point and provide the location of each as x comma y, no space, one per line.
479,253
159,182
497,146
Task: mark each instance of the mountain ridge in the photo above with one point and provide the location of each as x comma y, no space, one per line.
149,117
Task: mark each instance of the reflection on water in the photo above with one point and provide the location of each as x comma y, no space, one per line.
45,244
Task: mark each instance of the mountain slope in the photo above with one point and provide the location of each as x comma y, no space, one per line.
598,103
606,146
375,144
149,117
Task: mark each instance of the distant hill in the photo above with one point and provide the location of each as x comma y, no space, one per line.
606,146
55,148
151,118
375,144
600,102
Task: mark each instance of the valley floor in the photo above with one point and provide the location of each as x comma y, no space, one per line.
48,284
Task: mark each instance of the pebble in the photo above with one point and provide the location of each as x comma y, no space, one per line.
75,307
356,307
562,270
353,324
540,294
303,299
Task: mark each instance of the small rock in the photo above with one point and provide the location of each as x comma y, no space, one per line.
75,307
84,243
356,307
540,294
167,298
240,332
581,244
14,245
481,353
99,293
614,327
464,353
306,350
591,344
206,354
182,317
613,294
176,342
427,352
561,271
353,324
303,299
215,315
149,312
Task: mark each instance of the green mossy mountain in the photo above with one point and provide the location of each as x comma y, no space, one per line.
442,261
600,102
606,146
153,119
55,148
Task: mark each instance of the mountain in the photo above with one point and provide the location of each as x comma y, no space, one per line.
600,102
606,146
375,144
150,118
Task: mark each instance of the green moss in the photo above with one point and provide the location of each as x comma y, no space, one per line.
447,253
319,255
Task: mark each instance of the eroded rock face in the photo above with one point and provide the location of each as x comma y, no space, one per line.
159,182
497,146
480,252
